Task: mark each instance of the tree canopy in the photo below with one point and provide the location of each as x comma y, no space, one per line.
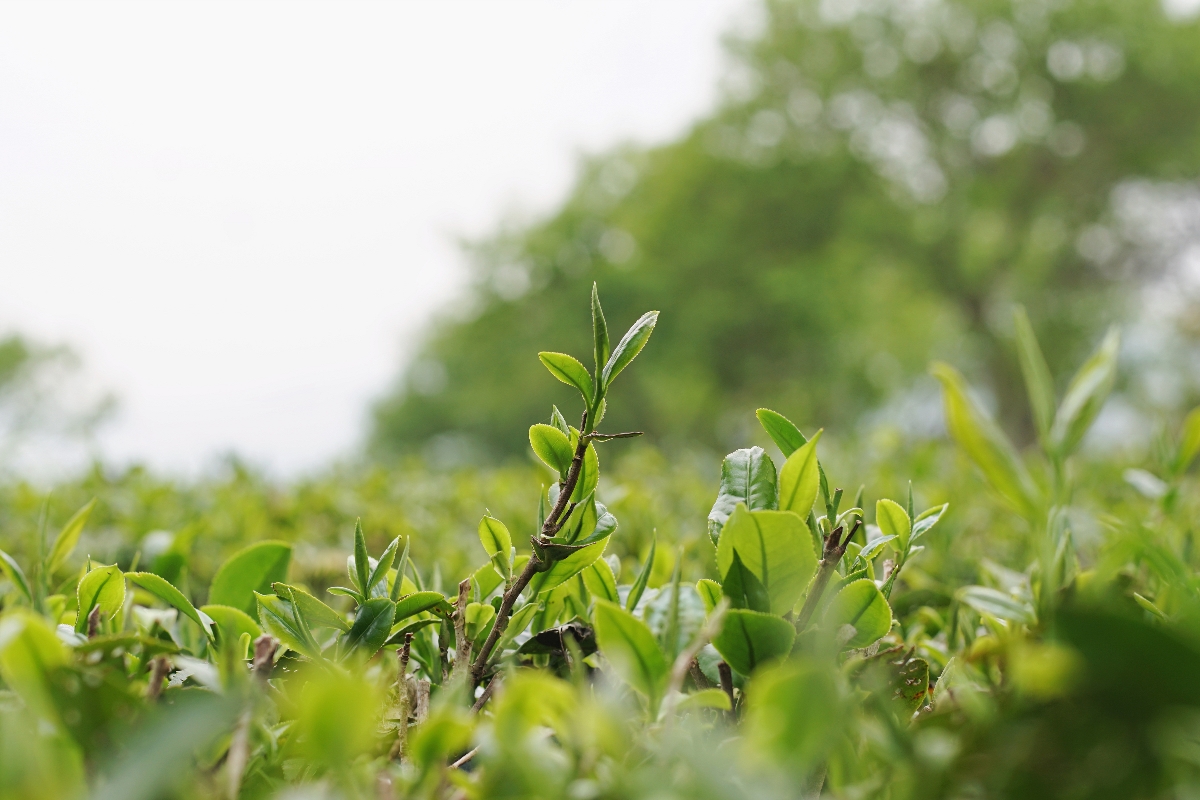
880,183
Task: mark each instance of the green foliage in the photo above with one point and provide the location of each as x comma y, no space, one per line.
803,651
877,182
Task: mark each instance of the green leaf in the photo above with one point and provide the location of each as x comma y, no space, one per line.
705,698
927,519
1085,396
599,579
342,591
552,447
627,349
316,613
171,596
29,650
872,550
278,618
562,571
861,605
1189,441
247,571
786,436
398,631
372,625
774,546
800,478
643,576
747,476
601,350
630,647
102,586
232,622
421,601
893,520
983,442
997,604
911,684
589,471
517,623
568,370
497,541
743,588
67,538
362,560
710,593
14,573
1038,383
749,639
380,571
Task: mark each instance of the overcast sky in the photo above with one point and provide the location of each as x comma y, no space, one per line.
242,215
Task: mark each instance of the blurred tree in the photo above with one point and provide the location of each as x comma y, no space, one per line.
881,182
46,410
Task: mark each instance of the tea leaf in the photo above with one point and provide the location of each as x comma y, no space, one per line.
749,639
786,436
627,349
747,476
1038,383
68,537
250,570
171,596
861,605
799,479
630,647
568,370
1085,396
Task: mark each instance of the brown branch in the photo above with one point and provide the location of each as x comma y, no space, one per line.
726,674
534,564
402,700
159,666
835,548
462,655
488,691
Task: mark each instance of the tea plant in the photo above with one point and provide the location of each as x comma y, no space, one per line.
819,657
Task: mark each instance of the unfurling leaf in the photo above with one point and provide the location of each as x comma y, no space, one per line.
799,479
103,587
630,345
1038,383
67,538
1085,396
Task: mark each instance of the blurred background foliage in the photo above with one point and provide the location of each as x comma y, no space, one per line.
881,182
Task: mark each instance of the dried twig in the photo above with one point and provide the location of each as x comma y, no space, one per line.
159,667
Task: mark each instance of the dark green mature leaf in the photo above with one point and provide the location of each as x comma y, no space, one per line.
630,647
67,538
422,601
749,639
861,605
171,596
783,432
250,570
372,625
568,370
1085,396
630,345
748,477
102,586
800,478
998,604
316,613
1038,383
984,443
12,570
774,546
643,576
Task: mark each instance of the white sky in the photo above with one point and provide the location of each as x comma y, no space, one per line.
242,215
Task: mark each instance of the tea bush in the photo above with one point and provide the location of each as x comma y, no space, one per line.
803,642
